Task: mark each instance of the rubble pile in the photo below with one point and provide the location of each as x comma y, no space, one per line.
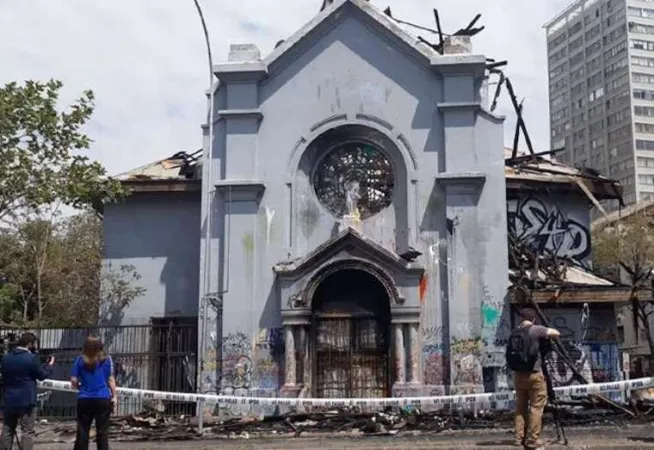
340,423
351,422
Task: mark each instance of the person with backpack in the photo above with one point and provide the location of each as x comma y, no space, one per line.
523,356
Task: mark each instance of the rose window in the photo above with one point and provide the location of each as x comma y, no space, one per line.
354,179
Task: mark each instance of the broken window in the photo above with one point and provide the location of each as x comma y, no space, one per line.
354,178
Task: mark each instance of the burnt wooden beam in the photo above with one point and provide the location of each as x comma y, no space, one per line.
439,29
518,110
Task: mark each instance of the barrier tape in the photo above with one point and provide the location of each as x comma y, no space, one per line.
227,400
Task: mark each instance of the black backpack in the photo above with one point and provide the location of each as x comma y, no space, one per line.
522,351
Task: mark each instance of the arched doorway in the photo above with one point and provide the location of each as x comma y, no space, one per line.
350,336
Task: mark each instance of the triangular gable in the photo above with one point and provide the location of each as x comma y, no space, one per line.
341,241
386,25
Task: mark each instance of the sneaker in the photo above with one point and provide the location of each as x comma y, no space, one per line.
518,443
538,445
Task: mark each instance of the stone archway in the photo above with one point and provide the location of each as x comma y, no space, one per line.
350,336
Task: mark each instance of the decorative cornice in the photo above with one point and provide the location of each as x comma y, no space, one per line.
458,106
461,183
252,72
240,114
241,190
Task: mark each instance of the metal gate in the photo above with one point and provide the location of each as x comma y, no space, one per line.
174,345
351,357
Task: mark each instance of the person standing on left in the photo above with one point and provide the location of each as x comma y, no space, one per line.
21,368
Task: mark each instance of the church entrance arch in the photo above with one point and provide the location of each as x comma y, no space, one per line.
350,336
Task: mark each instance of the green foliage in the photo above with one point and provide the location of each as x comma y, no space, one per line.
118,290
42,151
51,269
627,245
54,276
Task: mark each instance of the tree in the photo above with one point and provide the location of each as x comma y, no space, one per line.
51,267
627,247
42,152
54,275
118,290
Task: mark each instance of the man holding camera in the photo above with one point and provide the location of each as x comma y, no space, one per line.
523,355
21,368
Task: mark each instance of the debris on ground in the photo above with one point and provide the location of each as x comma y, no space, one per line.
351,423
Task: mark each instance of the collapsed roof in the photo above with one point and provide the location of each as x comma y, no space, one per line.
179,172
528,172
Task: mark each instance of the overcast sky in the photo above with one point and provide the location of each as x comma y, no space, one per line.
146,59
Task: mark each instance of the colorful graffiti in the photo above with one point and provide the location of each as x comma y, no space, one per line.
548,229
268,353
237,362
432,351
466,362
434,363
605,362
491,310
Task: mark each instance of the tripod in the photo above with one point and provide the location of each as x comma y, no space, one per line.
15,439
551,395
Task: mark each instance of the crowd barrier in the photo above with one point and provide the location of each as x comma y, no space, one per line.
226,401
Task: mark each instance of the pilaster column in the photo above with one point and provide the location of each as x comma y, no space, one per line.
399,353
289,347
306,363
414,359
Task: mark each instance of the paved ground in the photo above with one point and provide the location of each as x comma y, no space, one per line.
605,438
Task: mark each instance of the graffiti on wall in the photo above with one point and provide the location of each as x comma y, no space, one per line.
237,362
432,352
561,373
590,338
268,353
491,309
548,229
466,362
604,362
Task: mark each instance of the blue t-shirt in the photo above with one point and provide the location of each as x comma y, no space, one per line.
93,383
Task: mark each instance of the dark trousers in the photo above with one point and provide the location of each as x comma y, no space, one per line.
89,409
27,419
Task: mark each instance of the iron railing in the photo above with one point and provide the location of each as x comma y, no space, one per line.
160,356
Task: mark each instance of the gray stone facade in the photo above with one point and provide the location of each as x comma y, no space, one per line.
418,211
360,201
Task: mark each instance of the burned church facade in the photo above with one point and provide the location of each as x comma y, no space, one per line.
355,207
361,186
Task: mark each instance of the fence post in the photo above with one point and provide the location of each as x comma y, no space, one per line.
200,409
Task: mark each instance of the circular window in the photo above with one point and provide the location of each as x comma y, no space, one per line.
354,178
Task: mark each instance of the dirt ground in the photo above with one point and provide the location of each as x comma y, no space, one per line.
610,437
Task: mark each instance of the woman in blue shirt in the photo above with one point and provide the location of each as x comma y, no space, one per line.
93,376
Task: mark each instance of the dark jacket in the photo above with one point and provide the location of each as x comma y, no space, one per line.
20,370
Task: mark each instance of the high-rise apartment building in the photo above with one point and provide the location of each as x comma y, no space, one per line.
601,82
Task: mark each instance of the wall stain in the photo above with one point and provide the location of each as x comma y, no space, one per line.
423,287
309,218
248,242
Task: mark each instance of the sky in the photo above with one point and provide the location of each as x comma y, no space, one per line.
146,60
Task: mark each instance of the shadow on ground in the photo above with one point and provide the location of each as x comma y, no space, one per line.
507,442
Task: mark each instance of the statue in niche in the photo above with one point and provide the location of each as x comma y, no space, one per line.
352,197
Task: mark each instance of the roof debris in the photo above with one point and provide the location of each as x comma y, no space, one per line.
345,422
180,166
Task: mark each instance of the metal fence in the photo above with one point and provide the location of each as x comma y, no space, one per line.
160,356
